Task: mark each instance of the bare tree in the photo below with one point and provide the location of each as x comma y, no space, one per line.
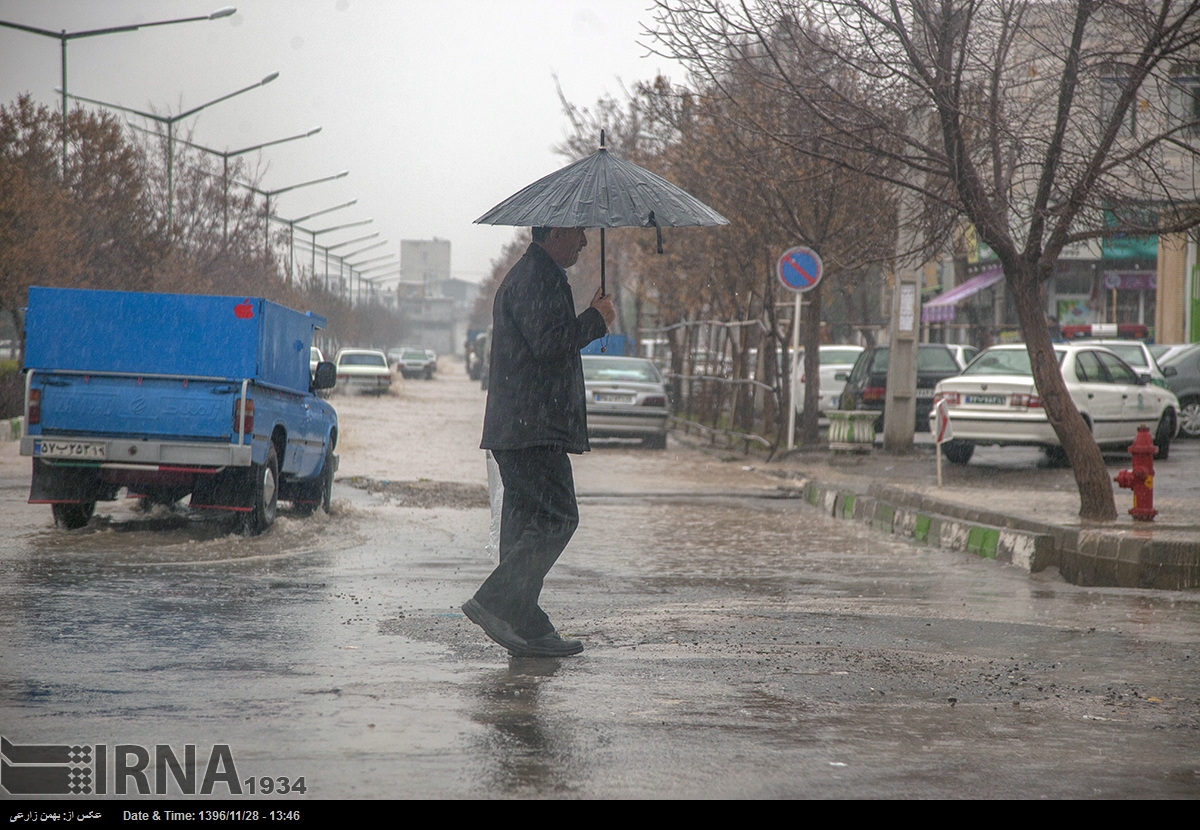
1043,124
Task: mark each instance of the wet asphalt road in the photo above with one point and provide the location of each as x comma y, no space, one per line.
738,645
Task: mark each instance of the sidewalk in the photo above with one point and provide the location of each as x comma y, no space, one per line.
1008,506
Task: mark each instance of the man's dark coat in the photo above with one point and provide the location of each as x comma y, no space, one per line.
536,396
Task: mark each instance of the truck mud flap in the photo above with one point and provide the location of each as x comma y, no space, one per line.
230,489
68,483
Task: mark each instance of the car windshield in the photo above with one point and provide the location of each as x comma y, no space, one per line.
1005,362
619,368
414,355
827,357
936,360
362,359
1131,353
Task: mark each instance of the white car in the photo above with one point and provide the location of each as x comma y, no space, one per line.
365,370
833,360
994,401
963,353
314,357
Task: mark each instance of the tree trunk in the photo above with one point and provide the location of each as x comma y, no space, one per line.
1091,476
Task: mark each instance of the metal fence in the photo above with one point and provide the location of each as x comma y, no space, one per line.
727,380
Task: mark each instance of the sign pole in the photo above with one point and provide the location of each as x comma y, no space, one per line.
791,442
798,270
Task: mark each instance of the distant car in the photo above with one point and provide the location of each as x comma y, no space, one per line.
365,370
625,399
994,401
866,385
1183,378
415,363
833,360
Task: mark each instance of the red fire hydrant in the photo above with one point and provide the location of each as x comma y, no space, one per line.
1141,478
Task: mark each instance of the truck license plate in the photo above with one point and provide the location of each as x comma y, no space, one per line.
68,449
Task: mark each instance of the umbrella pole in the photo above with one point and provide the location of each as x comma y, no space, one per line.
602,262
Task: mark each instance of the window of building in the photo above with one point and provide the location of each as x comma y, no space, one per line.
1112,86
1183,100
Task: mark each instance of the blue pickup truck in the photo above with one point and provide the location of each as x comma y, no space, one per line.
167,395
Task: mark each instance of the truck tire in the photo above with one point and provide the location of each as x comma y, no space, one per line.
321,489
73,516
266,495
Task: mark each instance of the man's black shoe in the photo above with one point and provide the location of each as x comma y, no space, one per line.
496,628
548,645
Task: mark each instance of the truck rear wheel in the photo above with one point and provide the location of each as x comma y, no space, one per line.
319,491
266,495
73,516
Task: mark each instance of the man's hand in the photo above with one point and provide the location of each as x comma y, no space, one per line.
603,304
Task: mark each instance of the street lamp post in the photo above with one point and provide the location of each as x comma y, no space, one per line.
315,234
228,154
346,262
171,121
358,266
268,194
291,223
64,36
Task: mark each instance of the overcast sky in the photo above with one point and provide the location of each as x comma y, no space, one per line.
438,108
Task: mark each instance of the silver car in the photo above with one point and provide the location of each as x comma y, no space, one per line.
625,399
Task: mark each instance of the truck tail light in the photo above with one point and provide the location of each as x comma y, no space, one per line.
1025,401
35,406
247,419
655,400
874,393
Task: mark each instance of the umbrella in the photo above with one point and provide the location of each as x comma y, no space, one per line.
602,191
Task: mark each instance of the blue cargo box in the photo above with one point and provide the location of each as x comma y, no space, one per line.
192,335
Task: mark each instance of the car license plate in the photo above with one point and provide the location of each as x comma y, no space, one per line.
605,397
68,449
993,400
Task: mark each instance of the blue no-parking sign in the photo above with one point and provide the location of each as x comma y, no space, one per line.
799,269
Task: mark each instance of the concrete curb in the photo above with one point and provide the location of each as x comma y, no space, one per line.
1029,550
1115,557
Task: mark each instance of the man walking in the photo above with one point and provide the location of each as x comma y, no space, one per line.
536,414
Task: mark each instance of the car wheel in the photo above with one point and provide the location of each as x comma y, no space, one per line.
958,452
73,516
1163,435
266,495
1189,417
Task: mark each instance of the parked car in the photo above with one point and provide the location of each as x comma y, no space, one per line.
365,370
1134,352
625,399
1183,379
417,363
833,360
866,385
994,401
1164,352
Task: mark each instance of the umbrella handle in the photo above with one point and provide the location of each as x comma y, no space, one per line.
650,220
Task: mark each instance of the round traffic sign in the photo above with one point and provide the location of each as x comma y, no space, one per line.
799,269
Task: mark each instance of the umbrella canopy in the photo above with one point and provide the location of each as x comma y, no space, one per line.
602,191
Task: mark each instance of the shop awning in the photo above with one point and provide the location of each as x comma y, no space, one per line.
941,309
